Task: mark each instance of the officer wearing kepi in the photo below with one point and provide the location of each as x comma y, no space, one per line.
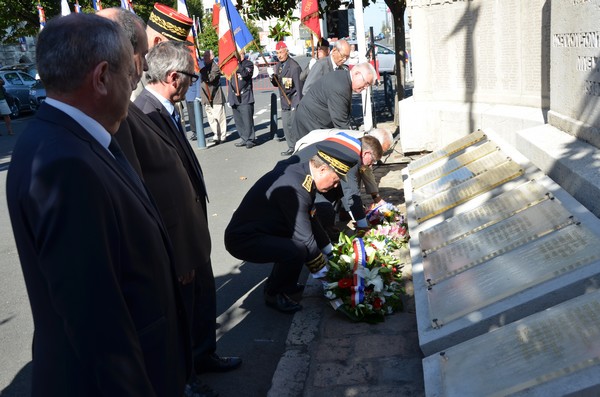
274,221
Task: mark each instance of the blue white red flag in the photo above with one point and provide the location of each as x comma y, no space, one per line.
242,36
77,7
97,4
42,16
128,5
228,62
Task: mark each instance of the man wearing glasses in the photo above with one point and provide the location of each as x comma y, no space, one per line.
328,103
369,150
335,60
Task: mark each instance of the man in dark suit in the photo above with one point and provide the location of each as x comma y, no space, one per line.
181,193
334,61
241,99
273,223
286,76
329,103
213,98
96,258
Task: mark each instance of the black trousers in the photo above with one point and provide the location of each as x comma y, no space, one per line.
244,122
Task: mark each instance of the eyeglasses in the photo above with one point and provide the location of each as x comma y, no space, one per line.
192,76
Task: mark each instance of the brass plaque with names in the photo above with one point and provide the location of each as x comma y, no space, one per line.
460,175
540,348
492,211
446,151
465,191
497,239
437,171
531,264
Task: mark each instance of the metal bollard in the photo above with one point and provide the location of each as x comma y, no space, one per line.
199,124
273,131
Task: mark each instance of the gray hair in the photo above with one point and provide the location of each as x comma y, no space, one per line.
166,57
385,138
69,47
368,69
128,21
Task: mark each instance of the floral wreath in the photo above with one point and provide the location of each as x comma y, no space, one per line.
365,274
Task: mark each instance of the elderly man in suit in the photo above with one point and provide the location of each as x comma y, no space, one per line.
329,103
95,254
213,98
240,96
334,61
181,194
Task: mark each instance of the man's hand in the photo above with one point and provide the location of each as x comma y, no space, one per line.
187,278
270,71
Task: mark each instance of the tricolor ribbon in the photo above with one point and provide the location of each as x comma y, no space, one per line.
360,260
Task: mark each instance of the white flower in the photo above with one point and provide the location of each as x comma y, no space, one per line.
330,295
346,259
371,277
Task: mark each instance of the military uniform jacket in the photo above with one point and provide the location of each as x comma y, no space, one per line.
211,92
241,82
288,75
279,204
348,191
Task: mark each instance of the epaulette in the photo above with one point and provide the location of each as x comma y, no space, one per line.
307,184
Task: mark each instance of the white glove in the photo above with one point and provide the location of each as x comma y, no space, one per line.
270,71
311,63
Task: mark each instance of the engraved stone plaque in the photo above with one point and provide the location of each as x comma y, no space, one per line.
441,168
459,176
465,191
559,342
446,151
497,239
559,252
488,213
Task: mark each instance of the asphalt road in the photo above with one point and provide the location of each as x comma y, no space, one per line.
247,328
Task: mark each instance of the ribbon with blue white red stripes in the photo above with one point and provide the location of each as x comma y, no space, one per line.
360,260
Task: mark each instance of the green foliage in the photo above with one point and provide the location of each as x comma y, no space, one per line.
208,39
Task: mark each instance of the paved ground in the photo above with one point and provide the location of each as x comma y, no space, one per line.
327,355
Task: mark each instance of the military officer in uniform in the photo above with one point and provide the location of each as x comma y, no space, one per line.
370,150
286,76
273,223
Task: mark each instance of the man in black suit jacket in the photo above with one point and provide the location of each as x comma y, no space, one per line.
241,99
173,173
97,261
334,61
328,103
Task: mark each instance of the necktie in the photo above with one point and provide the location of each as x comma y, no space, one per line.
115,149
177,120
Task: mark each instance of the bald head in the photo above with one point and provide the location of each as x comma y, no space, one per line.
385,138
134,28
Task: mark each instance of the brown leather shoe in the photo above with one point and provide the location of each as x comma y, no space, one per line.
282,303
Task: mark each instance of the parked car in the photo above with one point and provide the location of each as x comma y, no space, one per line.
29,68
17,84
386,57
37,94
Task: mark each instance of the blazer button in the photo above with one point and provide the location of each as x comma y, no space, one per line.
197,199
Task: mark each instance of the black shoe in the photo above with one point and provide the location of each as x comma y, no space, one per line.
196,388
283,303
288,152
250,145
294,289
214,141
240,144
194,138
280,138
214,363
